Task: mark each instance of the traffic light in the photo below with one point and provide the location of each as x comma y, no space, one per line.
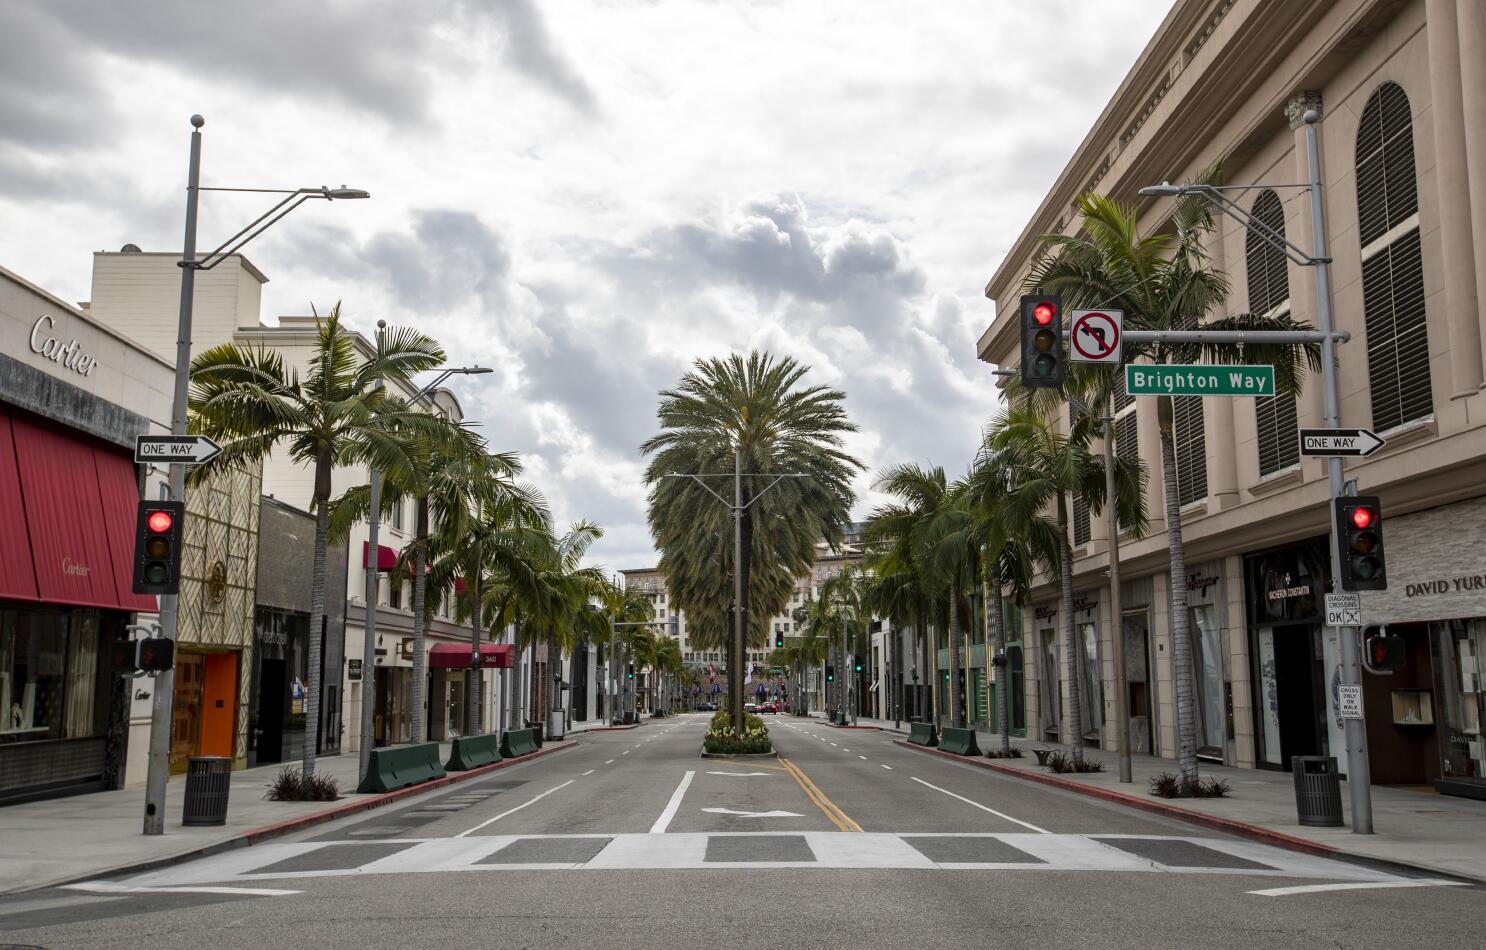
156,654
629,671
778,640
1042,341
125,656
830,674
858,666
1359,531
157,547
1385,652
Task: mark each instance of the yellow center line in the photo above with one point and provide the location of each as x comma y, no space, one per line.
832,811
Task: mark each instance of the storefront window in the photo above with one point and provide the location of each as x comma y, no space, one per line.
1050,698
1464,673
1207,667
1092,706
51,671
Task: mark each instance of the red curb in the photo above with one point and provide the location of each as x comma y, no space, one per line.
386,798
1241,829
610,728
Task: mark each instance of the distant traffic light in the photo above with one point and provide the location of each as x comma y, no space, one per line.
778,640
157,547
830,674
1386,652
1042,341
1359,531
629,671
858,666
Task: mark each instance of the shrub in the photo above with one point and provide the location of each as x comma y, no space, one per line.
1013,753
1167,785
1061,763
721,740
290,785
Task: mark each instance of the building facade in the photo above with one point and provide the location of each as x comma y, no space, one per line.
1402,107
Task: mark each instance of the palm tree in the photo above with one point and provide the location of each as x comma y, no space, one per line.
897,593
1161,282
563,587
754,414
338,415
1048,468
451,473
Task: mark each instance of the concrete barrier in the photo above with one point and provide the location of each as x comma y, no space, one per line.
518,742
958,741
471,752
922,733
395,767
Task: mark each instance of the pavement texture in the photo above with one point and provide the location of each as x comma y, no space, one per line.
631,839
1413,828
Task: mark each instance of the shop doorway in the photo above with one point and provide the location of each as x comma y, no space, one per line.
273,699
1138,682
1295,692
1050,697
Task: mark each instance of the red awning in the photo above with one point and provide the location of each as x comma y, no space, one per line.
17,576
456,656
386,557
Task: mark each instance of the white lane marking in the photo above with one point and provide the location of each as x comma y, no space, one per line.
610,762
754,814
1353,886
664,821
742,773
108,887
862,757
625,752
512,811
834,746
589,772
888,767
998,814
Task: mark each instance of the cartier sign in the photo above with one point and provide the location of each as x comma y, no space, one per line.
69,354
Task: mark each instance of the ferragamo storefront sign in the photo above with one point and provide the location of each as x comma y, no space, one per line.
49,345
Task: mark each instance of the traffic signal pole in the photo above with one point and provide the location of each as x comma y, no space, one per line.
158,773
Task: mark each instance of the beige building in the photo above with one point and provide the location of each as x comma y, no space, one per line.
1401,90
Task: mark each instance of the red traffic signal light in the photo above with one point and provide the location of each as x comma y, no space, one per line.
1386,653
1042,341
1359,532
156,654
157,547
159,521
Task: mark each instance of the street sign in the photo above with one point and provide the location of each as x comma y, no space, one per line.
1355,443
1096,336
185,449
1344,610
1348,702
353,669
1158,380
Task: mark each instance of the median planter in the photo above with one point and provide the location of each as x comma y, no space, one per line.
958,741
721,740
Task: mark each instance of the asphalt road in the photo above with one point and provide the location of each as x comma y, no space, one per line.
631,839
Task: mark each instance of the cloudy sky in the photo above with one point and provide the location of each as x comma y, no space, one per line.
586,194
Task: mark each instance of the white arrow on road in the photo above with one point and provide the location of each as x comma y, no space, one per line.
753,814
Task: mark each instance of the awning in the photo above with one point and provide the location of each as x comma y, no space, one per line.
79,503
456,656
386,557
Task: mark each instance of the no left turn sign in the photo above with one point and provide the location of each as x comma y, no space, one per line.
1096,336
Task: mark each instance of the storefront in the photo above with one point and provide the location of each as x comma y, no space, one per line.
68,497
1424,721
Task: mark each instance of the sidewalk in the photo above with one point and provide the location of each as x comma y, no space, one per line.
1417,829
79,836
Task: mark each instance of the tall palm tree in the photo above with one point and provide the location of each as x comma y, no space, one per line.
1051,467
337,415
754,413
627,606
564,587
897,593
1162,282
450,474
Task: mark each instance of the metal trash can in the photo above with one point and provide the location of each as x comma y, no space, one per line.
555,723
1318,790
208,780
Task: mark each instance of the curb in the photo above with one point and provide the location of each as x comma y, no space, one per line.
1230,826
267,832
611,728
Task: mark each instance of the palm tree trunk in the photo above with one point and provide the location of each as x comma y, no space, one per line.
1003,672
1181,644
317,621
956,703
513,700
472,689
420,623
554,670
926,681
1074,723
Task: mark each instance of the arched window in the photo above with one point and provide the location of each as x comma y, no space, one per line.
1392,264
1269,295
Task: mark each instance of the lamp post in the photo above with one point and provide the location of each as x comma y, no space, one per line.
1358,769
158,773
369,631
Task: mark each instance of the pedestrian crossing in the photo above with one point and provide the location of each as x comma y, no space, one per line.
1026,852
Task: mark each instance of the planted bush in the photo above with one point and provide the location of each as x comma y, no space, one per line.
1013,753
291,785
720,739
1167,785
1061,763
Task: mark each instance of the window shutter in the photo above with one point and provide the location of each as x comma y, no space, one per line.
1081,532
1393,276
1191,449
1269,276
1279,435
1125,430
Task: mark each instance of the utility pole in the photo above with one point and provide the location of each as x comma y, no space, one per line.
1116,606
735,677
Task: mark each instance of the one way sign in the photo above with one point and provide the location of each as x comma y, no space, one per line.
1323,443
185,449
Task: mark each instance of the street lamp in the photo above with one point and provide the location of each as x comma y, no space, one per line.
158,772
369,639
1358,769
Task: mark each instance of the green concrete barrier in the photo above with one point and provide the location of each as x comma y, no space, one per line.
922,733
958,741
471,752
395,767
518,742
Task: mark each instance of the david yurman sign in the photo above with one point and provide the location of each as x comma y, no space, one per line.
1437,566
69,354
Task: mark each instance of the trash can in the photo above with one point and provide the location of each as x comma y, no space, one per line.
1318,790
555,724
208,779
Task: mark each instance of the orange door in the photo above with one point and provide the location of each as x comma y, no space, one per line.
219,704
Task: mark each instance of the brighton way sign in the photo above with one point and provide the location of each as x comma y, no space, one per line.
1161,380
